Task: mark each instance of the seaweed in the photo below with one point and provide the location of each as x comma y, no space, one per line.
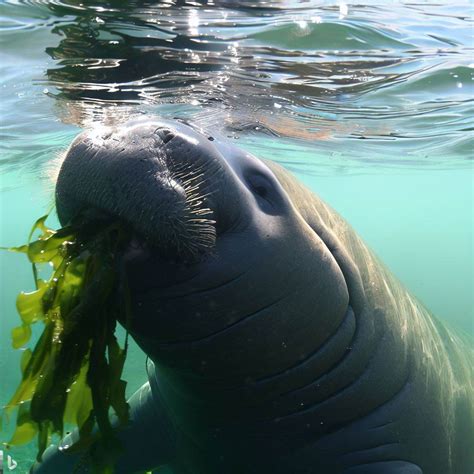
73,374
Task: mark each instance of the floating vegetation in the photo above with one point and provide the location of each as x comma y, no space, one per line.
73,374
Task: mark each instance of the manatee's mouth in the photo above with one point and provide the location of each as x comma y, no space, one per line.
148,179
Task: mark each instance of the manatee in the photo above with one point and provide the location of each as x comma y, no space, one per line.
277,342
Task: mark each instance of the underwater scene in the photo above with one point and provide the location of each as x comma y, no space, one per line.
369,104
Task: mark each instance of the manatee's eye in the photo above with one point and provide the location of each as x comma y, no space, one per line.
265,191
259,185
261,190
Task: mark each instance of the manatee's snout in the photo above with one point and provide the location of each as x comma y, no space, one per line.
159,177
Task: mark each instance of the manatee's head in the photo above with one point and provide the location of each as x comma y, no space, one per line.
224,272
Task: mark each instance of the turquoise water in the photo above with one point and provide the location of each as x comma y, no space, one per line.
370,105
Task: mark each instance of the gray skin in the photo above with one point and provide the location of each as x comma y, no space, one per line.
277,342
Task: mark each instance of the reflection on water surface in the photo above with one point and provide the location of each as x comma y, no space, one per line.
298,70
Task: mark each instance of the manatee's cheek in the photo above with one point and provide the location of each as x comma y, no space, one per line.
147,275
256,323
146,271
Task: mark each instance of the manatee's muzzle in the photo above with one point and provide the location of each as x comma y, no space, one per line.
149,177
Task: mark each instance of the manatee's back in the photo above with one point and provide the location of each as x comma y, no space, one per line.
439,362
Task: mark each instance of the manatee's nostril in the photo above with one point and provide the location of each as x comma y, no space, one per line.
165,134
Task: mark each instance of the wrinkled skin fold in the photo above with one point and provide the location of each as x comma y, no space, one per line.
277,341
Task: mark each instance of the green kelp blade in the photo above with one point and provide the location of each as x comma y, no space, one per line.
20,249
79,400
47,247
25,359
49,399
26,428
48,243
21,430
70,289
20,336
117,357
34,366
44,251
30,305
39,225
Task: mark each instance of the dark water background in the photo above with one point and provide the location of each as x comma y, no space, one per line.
370,104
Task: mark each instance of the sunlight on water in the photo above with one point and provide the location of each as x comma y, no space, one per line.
370,105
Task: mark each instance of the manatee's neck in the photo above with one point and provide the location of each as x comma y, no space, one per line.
272,342
199,406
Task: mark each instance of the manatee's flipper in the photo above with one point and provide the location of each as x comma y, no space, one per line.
148,442
388,467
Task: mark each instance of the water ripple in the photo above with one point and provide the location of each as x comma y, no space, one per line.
396,78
